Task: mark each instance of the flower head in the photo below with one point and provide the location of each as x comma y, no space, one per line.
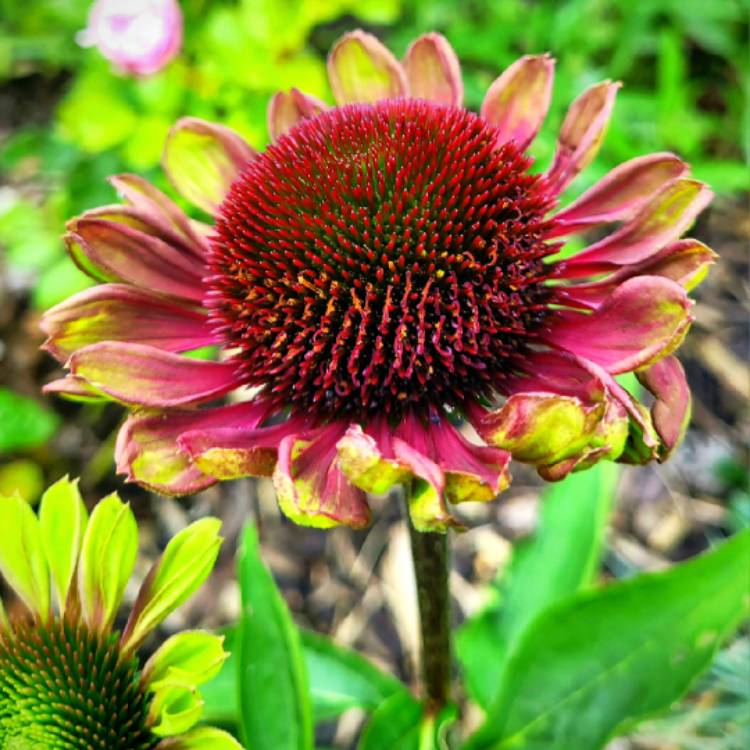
68,679
138,36
386,276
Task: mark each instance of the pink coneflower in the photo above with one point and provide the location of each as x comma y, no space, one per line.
387,270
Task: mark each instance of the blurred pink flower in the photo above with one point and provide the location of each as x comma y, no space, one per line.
138,36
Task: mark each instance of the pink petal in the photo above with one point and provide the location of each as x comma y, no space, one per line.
582,133
239,451
285,110
115,312
74,389
118,252
148,451
659,222
643,320
433,71
203,159
310,486
517,102
159,210
140,375
670,412
361,69
620,194
685,262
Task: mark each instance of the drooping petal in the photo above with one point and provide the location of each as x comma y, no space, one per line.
239,451
286,109
108,554
116,312
670,412
433,71
62,522
661,221
22,560
517,102
361,69
139,375
582,133
643,320
620,194
310,486
203,159
181,570
686,262
472,472
148,452
111,251
201,738
157,208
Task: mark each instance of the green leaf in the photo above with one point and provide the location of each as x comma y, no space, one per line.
341,679
562,558
603,660
24,423
395,725
275,709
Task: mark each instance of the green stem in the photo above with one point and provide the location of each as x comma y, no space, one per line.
430,554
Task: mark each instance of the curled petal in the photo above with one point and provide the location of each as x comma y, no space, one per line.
140,375
659,222
582,133
116,312
201,738
310,486
433,71
111,251
158,209
285,110
620,194
670,412
148,452
557,432
685,262
361,69
203,159
517,102
643,320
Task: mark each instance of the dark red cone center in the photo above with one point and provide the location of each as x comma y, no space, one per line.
380,258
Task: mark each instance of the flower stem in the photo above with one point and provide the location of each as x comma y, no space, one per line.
430,554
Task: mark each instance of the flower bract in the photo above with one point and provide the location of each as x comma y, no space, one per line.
391,294
69,679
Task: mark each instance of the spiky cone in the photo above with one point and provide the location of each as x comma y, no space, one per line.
387,283
68,679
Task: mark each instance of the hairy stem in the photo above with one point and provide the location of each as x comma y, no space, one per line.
430,554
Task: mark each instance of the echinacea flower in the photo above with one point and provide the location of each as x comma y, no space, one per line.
386,276
138,36
68,679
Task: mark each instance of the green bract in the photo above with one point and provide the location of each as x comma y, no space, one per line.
68,680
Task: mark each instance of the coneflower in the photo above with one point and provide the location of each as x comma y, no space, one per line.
387,270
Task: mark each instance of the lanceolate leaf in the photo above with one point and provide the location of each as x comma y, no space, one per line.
341,679
273,688
602,660
562,558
